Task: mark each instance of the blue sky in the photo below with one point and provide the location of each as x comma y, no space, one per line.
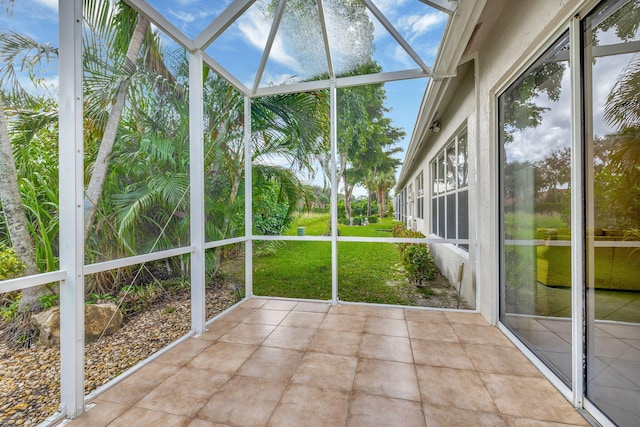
239,49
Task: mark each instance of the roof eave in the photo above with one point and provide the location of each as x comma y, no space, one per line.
456,37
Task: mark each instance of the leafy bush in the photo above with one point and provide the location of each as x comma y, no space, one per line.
418,263
48,300
274,224
416,258
360,207
272,212
95,298
10,265
373,219
342,211
10,305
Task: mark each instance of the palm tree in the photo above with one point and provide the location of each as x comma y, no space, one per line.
16,51
289,126
384,182
114,25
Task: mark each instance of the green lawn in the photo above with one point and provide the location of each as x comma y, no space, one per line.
367,272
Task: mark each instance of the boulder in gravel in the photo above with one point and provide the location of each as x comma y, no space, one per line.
97,318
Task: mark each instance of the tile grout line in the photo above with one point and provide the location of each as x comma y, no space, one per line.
289,382
475,369
415,368
355,373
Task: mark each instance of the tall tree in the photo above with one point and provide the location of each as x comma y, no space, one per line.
289,126
17,51
14,213
365,135
384,182
111,21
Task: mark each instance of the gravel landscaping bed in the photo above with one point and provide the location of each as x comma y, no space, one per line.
30,377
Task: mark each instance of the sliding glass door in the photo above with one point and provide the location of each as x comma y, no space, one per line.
612,170
536,251
538,220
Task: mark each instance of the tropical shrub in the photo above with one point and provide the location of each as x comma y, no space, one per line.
418,263
417,260
10,264
49,300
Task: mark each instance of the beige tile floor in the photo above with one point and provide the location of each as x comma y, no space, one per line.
613,378
284,363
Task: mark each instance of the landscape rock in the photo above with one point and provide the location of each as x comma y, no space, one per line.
99,319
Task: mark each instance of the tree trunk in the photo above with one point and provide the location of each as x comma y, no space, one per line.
380,196
347,191
233,197
347,196
101,165
15,215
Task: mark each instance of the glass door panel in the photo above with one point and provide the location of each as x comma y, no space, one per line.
612,84
535,142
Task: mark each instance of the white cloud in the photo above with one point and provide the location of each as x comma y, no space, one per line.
50,4
189,17
417,25
389,7
255,28
187,2
278,79
401,56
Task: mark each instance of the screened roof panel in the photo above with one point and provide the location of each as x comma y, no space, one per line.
263,44
240,47
298,51
189,16
422,26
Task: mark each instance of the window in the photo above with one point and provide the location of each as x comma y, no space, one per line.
420,196
410,196
450,191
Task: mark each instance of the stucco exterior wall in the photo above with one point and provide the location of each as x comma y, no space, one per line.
520,33
459,114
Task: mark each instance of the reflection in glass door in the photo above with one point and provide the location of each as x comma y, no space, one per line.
535,133
612,108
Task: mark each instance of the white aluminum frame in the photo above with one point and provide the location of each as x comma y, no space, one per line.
196,193
577,215
334,193
248,200
71,159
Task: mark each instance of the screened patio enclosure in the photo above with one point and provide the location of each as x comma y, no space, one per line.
280,48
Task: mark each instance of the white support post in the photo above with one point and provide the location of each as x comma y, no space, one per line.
577,215
333,120
71,185
248,201
196,180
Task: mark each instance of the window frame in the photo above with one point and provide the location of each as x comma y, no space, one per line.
419,186
444,187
